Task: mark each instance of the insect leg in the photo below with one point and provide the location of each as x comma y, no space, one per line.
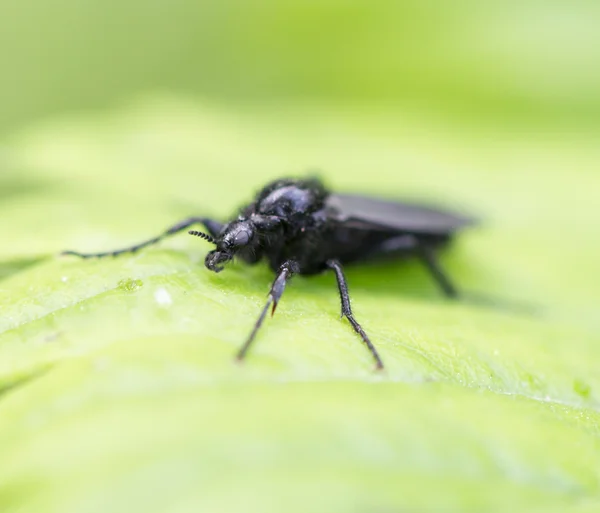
409,243
213,227
347,311
285,273
428,258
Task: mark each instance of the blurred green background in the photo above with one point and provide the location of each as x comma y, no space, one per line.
526,61
119,118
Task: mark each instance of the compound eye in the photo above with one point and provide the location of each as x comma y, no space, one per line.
241,238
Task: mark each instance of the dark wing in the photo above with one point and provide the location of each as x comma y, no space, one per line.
373,213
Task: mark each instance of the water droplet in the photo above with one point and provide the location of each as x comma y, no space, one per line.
162,297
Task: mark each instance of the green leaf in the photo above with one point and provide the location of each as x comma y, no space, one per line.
119,390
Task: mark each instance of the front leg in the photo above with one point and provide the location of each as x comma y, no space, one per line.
286,271
213,228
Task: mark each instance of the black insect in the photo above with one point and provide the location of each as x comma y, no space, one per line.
299,227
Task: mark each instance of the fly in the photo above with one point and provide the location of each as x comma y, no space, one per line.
299,227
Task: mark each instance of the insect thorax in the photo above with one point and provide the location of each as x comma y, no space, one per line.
285,198
289,217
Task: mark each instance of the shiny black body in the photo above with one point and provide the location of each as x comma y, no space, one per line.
299,227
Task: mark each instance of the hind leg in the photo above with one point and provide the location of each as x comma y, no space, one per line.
407,244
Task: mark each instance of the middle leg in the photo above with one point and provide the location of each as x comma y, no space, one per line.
347,311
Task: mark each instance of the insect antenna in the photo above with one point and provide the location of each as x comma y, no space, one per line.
204,236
